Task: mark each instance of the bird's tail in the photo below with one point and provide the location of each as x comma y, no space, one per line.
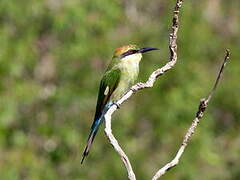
89,144
91,137
94,129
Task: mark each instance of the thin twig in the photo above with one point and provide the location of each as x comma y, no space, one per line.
149,83
202,107
219,74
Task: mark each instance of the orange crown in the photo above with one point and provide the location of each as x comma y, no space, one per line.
124,49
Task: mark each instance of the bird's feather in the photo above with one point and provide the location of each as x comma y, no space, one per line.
108,84
109,81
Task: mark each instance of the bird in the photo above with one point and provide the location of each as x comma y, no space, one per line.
119,76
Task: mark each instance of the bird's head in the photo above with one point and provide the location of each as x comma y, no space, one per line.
131,51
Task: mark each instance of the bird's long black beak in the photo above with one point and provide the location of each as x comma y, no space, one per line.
146,49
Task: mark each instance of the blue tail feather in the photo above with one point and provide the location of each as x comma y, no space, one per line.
94,130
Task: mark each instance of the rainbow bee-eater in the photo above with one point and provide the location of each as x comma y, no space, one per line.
120,75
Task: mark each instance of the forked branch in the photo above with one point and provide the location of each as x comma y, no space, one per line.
149,83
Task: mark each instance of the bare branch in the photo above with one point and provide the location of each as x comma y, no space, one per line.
114,143
202,107
149,83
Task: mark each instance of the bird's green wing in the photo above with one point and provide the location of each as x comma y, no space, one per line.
108,84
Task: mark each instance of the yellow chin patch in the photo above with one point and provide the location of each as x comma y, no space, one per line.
132,58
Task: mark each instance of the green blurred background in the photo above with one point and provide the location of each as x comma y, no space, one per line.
52,56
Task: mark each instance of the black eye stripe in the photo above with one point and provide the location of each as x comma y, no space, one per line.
129,52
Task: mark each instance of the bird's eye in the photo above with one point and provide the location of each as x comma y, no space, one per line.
129,52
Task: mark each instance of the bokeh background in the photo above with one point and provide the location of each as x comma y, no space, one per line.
52,56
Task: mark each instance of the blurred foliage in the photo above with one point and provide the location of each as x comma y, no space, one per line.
52,56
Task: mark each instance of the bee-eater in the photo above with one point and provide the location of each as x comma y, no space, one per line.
117,79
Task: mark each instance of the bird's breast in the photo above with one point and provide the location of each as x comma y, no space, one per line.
129,74
130,70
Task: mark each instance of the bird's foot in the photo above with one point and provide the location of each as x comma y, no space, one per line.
118,105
